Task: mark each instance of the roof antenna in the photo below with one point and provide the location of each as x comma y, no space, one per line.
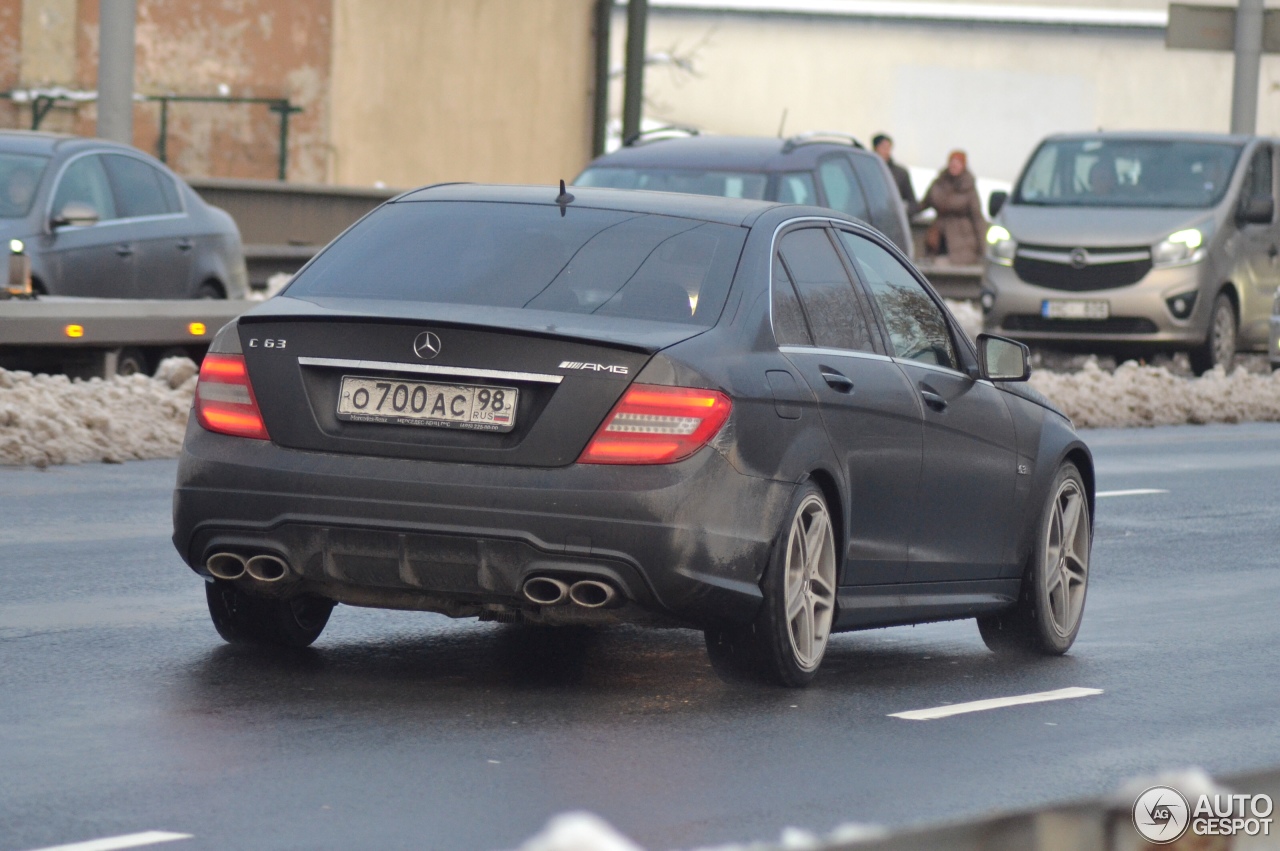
564,199
783,123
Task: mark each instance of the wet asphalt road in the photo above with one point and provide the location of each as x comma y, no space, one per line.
122,711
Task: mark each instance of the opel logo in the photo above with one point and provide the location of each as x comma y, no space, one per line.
426,345
1079,258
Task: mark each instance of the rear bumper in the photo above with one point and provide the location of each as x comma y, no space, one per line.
687,541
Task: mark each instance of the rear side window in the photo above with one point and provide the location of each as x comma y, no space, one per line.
789,326
85,182
916,325
601,262
841,188
139,188
826,293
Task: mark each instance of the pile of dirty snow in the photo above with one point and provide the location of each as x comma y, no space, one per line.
968,314
50,419
1135,395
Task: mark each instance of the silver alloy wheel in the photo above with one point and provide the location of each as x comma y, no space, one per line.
810,582
1066,556
1224,334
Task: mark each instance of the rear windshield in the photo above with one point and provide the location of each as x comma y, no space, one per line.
1128,173
692,181
603,262
19,179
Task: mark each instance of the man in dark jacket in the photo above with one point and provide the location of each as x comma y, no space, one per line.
883,146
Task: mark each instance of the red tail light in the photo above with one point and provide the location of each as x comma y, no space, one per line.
657,425
224,398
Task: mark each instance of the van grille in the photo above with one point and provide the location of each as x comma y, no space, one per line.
1114,325
1060,274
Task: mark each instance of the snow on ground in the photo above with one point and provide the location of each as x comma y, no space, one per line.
49,419
52,420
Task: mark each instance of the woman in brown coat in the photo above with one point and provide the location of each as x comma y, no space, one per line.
960,231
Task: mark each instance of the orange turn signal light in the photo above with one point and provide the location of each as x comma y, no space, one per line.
74,331
197,329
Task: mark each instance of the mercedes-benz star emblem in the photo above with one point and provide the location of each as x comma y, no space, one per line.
1079,258
426,345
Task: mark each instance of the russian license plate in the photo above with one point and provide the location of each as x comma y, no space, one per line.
1075,309
419,403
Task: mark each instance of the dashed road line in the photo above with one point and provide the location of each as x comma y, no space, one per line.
995,703
114,843
1131,492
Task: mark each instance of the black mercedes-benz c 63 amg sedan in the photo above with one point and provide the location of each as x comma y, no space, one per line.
749,418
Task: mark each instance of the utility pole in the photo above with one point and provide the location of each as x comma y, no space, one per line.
1248,46
115,70
633,91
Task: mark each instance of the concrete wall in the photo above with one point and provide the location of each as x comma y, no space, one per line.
991,89
436,90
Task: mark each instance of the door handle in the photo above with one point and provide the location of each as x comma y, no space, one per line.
933,400
124,249
185,245
835,380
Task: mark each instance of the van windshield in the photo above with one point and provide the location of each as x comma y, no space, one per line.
1103,172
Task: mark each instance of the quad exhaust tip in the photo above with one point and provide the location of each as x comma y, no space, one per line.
545,591
592,594
232,566
266,568
227,566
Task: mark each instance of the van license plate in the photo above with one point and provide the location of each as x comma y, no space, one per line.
418,403
1075,309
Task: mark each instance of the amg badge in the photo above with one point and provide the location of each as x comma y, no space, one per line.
594,367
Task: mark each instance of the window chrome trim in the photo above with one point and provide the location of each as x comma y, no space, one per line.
946,370
839,353
431,369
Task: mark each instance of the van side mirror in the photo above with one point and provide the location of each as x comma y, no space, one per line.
1258,210
996,202
75,213
1002,359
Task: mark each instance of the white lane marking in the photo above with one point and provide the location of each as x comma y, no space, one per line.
995,703
113,843
1132,492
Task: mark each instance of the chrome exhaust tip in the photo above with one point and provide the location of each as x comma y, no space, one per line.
227,566
545,591
592,594
266,568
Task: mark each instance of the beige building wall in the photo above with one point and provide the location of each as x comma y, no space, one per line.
477,90
992,90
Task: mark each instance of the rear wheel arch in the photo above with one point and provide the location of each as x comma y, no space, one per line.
826,483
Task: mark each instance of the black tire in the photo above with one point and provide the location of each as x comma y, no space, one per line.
776,647
242,618
132,361
1219,346
1042,622
209,289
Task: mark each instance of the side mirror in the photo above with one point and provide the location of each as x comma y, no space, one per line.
1258,210
1002,359
996,202
75,213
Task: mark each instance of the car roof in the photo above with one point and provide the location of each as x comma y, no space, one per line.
710,208
1156,136
746,153
40,142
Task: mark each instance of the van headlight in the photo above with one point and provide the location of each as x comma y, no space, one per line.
1179,249
1000,245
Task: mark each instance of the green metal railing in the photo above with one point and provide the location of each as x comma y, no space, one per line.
42,102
